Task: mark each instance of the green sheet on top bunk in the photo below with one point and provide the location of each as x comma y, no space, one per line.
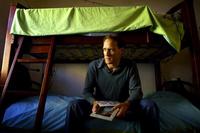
59,21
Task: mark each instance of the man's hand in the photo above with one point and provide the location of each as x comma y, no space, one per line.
95,107
123,108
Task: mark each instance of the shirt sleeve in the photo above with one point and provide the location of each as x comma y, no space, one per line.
135,90
88,89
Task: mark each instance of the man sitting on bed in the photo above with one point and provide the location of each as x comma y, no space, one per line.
113,78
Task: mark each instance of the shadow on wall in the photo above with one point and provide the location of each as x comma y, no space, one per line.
68,79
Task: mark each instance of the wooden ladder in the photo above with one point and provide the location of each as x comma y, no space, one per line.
42,47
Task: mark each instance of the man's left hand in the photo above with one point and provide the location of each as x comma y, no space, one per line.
123,108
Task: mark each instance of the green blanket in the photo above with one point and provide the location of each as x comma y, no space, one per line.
62,21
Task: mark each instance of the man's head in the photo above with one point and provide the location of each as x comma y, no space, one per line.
112,50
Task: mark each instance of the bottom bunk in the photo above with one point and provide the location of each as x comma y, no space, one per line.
177,115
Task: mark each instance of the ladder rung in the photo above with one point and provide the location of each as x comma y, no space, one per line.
39,49
41,40
32,60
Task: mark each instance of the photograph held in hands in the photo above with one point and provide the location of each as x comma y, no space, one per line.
105,111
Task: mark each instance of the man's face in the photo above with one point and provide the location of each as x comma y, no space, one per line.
112,53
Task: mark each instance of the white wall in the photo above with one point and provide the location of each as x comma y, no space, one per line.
147,76
68,79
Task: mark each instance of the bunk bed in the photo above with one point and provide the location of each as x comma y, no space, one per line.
147,40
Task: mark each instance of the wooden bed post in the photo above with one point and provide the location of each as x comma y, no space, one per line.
7,46
4,90
190,22
44,87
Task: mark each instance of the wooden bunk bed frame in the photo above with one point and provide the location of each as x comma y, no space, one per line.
137,37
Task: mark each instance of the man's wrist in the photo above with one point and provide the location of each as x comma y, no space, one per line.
128,103
94,102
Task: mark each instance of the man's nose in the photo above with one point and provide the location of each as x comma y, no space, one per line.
107,52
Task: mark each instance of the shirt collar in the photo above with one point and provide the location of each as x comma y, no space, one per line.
102,64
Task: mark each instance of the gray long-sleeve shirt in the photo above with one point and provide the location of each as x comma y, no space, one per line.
121,85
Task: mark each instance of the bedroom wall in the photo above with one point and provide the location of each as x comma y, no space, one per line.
68,79
178,66
159,6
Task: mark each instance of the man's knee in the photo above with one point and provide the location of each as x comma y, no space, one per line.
79,107
148,104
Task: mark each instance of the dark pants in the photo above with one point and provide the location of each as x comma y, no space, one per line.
145,111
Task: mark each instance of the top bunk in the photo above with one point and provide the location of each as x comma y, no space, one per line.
78,31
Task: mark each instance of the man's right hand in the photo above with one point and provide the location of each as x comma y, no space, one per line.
95,107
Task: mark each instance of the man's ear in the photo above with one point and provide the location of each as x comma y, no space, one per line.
122,51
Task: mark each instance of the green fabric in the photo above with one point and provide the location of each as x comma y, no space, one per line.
59,21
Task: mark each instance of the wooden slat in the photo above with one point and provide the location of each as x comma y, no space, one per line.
41,40
39,49
190,24
28,60
44,88
134,37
